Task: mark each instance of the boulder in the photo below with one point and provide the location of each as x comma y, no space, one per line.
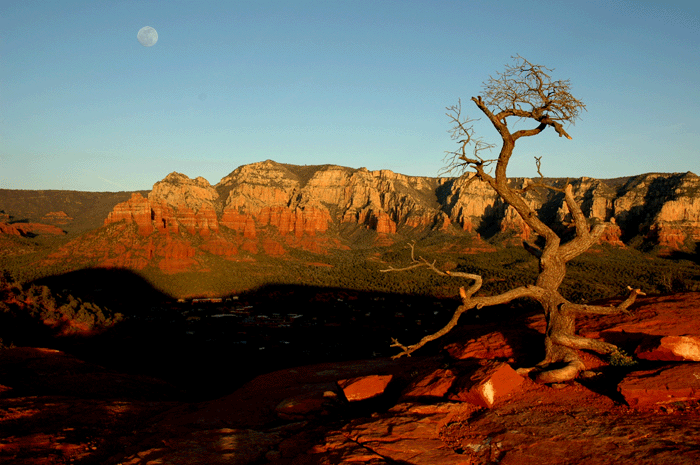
364,387
670,348
487,385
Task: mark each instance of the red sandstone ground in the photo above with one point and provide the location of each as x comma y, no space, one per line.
55,408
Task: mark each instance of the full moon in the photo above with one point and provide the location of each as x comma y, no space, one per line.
147,36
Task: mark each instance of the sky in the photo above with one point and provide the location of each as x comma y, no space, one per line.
84,106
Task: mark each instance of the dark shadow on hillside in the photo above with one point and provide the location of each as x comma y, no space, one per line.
121,289
637,220
692,255
210,348
73,406
491,220
79,395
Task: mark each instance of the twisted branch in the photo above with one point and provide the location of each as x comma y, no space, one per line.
467,296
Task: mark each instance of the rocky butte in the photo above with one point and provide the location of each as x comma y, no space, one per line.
270,207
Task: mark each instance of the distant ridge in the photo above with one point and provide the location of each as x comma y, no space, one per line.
273,208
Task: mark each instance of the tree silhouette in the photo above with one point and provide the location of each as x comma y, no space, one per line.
526,92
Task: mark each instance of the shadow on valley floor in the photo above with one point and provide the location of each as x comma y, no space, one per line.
209,348
117,288
692,255
109,383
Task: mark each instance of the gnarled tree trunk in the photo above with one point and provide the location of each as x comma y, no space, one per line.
526,92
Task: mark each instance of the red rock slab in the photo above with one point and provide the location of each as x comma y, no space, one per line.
338,448
408,433
488,385
671,315
653,388
435,384
364,387
223,446
63,429
670,348
253,405
489,346
320,400
539,425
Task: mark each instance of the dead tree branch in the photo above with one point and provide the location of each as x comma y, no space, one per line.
525,91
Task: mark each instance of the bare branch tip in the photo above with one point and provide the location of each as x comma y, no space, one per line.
635,291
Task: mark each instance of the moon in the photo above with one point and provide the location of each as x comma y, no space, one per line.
147,36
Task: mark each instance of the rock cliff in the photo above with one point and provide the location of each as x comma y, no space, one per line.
271,207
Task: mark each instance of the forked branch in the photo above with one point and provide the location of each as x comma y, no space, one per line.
463,132
467,296
469,302
416,263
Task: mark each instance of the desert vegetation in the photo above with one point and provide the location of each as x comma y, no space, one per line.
601,272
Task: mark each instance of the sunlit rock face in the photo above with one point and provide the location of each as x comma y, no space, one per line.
175,202
180,202
269,207
299,201
135,210
307,200
269,194
678,220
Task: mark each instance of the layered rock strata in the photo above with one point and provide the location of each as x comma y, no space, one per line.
270,207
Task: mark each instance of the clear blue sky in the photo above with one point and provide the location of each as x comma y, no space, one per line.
84,106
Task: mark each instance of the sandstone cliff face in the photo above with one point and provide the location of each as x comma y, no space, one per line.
270,207
303,200
385,201
135,210
678,219
180,202
268,193
662,208
175,202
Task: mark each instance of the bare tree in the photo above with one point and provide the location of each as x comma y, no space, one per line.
526,92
